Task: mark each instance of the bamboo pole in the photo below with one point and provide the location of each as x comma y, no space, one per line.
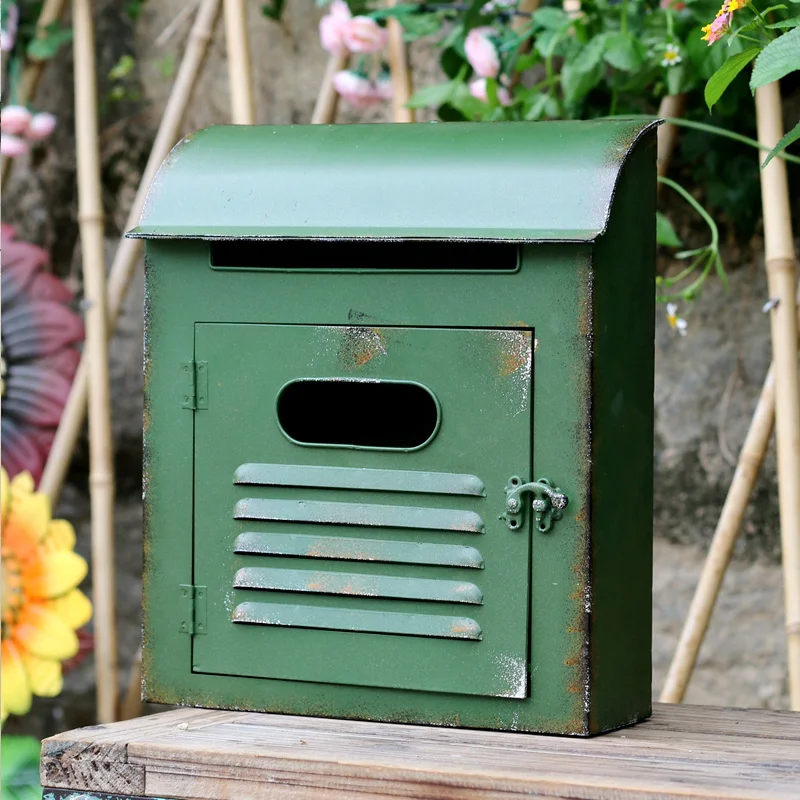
101,446
672,105
32,74
327,99
240,74
402,85
131,704
130,250
780,265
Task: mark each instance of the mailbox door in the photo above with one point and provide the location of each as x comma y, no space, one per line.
349,490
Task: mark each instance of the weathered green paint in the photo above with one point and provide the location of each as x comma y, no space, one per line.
622,449
547,649
509,181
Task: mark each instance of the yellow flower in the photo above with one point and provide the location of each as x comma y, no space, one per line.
41,606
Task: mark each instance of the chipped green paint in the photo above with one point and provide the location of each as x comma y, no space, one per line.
526,367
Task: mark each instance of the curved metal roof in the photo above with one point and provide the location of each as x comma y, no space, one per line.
514,181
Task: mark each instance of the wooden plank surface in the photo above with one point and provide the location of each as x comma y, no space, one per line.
682,752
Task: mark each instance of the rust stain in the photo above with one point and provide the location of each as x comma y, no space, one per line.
360,345
315,586
458,628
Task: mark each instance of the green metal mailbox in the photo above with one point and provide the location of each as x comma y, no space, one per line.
398,423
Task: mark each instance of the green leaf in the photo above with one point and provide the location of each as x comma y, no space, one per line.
553,19
721,79
417,26
789,138
434,95
538,107
452,62
122,68
665,233
623,52
463,101
273,9
785,24
20,768
527,60
45,47
576,84
780,57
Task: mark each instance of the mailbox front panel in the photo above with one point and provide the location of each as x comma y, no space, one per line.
349,489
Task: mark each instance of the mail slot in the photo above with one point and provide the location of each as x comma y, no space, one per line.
398,423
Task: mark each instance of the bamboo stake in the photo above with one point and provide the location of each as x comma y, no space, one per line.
402,87
780,264
32,74
328,100
131,705
130,250
673,105
240,73
101,446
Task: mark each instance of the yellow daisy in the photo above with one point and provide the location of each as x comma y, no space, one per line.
41,604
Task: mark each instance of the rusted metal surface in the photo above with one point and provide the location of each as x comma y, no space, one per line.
371,515
357,584
341,548
388,622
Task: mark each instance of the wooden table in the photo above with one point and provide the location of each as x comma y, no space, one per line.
682,752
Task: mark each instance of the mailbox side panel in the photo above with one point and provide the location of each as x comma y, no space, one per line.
622,453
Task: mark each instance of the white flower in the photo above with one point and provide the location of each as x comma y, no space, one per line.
672,56
675,322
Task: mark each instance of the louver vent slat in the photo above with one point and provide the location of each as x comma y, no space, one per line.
337,619
371,515
383,480
357,585
340,548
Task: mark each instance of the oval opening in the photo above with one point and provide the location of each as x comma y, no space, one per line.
346,412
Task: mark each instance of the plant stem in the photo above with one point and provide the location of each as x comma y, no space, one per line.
702,126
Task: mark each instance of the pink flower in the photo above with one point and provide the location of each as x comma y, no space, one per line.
332,27
357,90
364,35
718,28
41,126
12,146
481,52
675,5
8,35
15,120
478,89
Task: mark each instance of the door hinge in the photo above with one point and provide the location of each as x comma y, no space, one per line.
194,385
193,609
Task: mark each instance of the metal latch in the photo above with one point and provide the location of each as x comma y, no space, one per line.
548,503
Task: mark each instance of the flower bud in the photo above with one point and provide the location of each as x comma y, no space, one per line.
364,35
15,120
12,146
332,27
41,126
478,89
356,89
482,53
